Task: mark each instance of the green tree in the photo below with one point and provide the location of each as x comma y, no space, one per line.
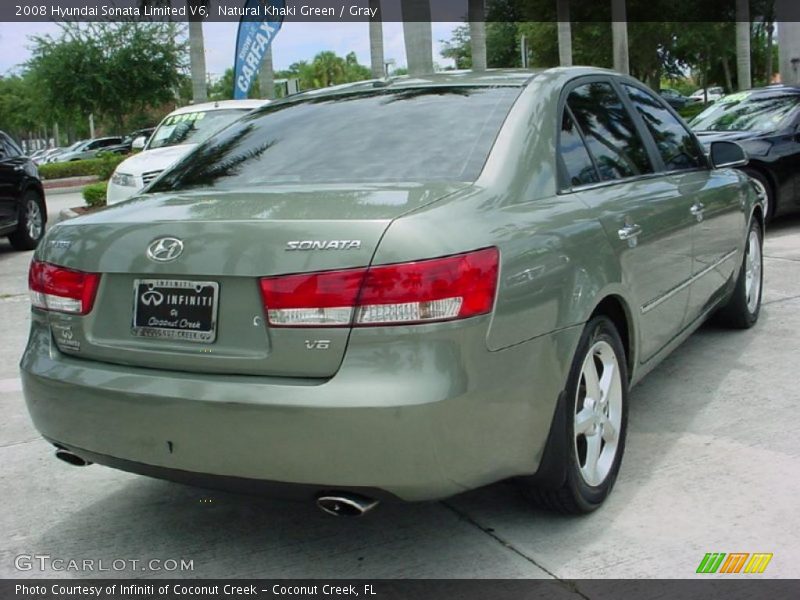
325,70
113,70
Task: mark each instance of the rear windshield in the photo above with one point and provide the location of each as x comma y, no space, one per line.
193,127
421,134
744,112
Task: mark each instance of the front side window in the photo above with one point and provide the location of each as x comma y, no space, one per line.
379,136
677,146
609,130
578,164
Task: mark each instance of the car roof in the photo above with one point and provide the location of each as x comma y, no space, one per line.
219,105
778,89
456,78
489,77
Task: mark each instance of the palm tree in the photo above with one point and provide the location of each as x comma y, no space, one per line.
564,33
788,41
417,36
743,72
197,61
477,34
619,36
197,50
376,39
266,77
328,69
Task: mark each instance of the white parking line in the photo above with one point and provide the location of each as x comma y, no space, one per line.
10,385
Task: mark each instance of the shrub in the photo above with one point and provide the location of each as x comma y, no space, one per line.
108,162
102,166
95,194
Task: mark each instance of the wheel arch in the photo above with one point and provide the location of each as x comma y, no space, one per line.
614,307
763,170
38,189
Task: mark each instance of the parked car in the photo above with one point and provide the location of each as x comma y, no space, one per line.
404,289
180,132
41,157
707,97
675,99
88,149
23,211
51,158
766,123
126,145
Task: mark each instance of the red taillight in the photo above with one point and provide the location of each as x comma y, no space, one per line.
441,289
63,290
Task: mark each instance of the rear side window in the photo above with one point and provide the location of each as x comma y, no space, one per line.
610,132
580,169
677,146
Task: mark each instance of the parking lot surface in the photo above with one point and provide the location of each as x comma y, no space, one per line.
711,466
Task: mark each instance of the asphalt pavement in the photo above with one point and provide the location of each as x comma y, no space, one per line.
711,465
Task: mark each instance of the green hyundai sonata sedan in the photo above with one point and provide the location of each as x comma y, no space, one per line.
396,289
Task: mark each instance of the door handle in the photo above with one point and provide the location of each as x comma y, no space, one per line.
629,232
697,210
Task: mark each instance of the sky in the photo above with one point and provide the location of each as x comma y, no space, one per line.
295,42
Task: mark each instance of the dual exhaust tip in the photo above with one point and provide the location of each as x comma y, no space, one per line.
338,504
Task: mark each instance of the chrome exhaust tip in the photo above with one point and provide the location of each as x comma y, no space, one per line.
345,504
71,459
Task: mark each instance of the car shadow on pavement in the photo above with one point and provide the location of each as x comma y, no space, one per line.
231,535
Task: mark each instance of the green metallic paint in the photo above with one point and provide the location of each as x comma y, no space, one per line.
421,411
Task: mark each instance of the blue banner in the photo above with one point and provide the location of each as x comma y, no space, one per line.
261,20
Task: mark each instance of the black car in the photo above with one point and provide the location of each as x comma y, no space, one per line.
23,212
675,99
766,123
127,142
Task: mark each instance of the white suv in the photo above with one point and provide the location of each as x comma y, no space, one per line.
179,132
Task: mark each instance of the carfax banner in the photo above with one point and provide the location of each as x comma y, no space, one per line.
259,24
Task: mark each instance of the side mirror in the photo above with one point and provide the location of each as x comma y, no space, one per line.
138,143
725,155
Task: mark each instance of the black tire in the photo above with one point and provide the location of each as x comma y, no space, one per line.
27,237
742,309
763,182
569,492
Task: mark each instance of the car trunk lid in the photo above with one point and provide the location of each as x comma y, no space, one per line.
229,241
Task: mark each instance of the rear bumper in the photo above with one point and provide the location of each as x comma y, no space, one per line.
427,415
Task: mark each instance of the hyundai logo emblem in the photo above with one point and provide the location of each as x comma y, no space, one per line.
165,249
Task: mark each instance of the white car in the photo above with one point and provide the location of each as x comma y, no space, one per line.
180,131
714,94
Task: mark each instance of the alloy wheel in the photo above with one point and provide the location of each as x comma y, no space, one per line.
752,273
33,220
598,413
